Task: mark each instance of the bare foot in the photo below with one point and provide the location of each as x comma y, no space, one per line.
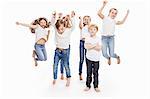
87,89
68,82
35,61
80,77
54,82
118,60
62,77
109,61
97,89
33,55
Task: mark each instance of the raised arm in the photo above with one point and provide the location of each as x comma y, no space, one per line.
80,23
48,34
60,15
73,20
124,19
27,25
53,18
101,9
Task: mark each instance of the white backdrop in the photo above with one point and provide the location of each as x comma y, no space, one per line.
21,79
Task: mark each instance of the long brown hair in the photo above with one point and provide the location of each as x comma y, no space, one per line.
37,21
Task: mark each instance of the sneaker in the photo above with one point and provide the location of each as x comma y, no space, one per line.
109,61
118,60
68,82
97,89
87,89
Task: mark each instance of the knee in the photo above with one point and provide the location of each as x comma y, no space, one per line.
41,59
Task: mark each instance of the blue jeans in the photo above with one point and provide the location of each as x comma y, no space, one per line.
62,64
40,52
82,56
63,56
108,43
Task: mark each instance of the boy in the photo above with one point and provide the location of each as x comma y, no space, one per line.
62,39
92,44
108,32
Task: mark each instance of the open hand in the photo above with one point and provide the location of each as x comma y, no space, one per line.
60,15
54,13
105,2
72,14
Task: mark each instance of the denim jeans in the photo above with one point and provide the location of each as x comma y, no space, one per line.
108,43
92,68
40,52
62,64
82,56
61,55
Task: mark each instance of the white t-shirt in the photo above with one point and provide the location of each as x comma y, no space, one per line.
92,54
40,33
63,40
108,26
84,32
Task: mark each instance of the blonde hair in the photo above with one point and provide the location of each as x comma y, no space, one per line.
87,16
93,25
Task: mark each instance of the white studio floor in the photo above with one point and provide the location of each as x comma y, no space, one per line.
21,78
116,80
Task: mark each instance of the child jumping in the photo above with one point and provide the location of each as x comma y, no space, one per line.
83,25
42,34
108,40
67,21
62,39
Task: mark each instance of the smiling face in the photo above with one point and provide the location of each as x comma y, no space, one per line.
86,20
42,23
60,25
93,29
61,28
113,13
